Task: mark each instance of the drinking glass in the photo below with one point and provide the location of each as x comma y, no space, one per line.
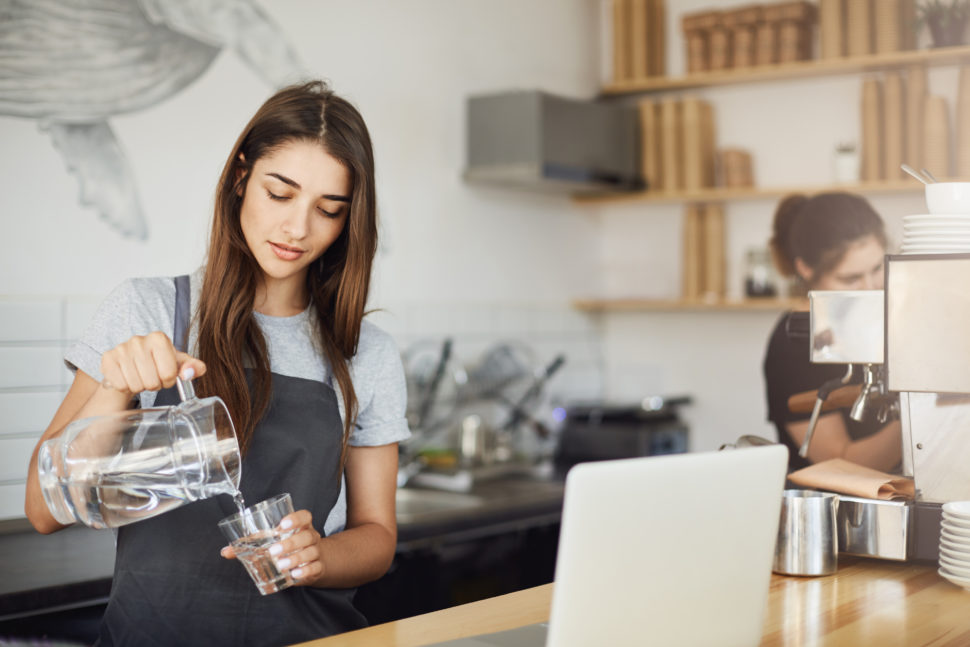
252,532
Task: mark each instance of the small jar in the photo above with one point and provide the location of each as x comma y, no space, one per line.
760,280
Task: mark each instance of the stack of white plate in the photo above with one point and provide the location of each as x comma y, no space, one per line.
936,234
955,543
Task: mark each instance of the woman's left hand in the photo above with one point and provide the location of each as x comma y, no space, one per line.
299,553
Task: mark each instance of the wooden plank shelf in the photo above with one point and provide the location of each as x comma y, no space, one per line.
791,71
720,194
633,304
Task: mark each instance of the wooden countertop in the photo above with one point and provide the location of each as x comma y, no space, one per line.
867,602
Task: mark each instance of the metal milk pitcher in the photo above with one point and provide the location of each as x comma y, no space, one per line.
112,470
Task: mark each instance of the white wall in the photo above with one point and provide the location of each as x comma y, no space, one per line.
478,264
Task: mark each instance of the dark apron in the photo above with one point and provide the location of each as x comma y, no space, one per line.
171,586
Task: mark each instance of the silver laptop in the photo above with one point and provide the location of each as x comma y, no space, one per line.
666,550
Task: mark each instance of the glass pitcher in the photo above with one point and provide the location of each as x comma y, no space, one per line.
109,471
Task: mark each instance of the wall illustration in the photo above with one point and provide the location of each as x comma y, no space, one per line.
72,65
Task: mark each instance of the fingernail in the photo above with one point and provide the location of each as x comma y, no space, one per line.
188,373
283,563
297,573
275,549
286,524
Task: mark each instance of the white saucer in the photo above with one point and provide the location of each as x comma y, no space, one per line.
956,567
957,510
956,524
959,241
955,551
948,575
957,537
937,217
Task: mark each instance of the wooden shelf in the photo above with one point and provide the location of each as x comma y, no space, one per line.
681,305
788,71
910,185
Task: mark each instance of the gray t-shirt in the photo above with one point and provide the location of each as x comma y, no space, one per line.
144,305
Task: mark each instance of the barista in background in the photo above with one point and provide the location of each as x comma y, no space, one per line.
830,241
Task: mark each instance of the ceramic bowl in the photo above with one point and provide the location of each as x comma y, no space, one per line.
948,197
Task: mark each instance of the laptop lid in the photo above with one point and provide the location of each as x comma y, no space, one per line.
668,550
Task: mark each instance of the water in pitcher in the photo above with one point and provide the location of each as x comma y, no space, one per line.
136,485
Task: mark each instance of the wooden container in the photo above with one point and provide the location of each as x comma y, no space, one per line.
622,50
871,130
639,27
831,19
657,38
887,26
913,114
650,156
766,52
907,22
794,42
936,137
963,125
713,265
744,43
671,145
893,124
709,142
698,137
735,168
722,53
797,11
692,257
698,51
858,27
697,27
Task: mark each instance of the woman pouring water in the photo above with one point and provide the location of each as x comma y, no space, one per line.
830,241
274,325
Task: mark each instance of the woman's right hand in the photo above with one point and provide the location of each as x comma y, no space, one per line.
147,363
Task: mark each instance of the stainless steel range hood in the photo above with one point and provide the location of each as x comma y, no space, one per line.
534,140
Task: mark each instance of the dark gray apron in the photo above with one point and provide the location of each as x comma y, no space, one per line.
171,586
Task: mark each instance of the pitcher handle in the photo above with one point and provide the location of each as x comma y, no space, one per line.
185,389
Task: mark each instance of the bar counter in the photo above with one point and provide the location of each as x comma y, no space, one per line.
866,602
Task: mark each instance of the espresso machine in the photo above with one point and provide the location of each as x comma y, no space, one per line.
912,343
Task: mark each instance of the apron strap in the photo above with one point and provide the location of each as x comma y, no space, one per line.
182,309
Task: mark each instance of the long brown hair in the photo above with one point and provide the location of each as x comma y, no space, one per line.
820,229
337,282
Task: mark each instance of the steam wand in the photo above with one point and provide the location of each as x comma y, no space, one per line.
823,393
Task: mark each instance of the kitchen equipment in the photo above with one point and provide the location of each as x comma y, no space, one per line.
600,430
929,176
435,381
535,140
875,528
112,470
807,540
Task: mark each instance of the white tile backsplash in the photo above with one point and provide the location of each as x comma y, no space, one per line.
22,321
15,457
12,500
27,413
31,366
